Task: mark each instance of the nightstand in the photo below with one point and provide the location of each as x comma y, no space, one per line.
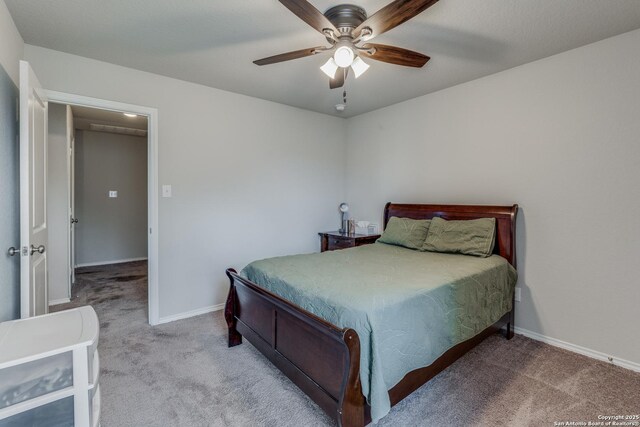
332,240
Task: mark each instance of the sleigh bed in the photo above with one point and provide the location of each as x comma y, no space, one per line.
322,359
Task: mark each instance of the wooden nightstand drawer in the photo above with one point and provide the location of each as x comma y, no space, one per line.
333,240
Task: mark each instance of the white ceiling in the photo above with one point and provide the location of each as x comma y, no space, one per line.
214,42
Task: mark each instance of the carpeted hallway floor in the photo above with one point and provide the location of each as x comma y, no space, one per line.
183,374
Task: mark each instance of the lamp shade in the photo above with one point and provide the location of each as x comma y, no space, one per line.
359,67
329,68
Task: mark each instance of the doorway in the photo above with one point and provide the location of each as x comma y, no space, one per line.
97,204
82,109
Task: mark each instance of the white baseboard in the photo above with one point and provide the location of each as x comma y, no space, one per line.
594,354
114,261
59,301
187,314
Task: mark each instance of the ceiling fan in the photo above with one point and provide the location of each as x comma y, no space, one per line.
348,30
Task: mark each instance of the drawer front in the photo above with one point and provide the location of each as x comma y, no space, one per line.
57,413
21,383
340,243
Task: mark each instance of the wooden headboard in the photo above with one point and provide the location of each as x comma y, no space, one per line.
505,220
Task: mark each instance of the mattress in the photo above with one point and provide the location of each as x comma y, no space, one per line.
408,307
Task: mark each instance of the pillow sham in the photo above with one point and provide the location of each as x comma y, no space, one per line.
470,237
407,232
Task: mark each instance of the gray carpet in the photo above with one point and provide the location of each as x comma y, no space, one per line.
183,374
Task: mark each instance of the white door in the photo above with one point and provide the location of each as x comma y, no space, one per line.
72,216
33,194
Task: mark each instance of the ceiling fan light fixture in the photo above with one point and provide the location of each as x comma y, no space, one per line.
344,56
329,68
359,66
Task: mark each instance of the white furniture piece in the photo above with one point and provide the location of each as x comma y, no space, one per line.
49,370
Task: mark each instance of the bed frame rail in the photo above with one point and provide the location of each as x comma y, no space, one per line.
321,359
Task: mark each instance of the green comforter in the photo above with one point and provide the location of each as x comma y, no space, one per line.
408,307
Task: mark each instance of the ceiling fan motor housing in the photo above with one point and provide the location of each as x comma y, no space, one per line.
346,17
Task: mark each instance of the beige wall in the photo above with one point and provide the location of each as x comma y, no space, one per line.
110,230
11,44
251,178
558,136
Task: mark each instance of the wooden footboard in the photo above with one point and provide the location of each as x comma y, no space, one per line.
321,359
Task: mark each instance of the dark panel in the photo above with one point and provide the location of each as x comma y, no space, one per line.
298,377
300,343
339,243
255,312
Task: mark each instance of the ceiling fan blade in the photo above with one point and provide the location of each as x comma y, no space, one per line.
338,80
289,55
309,14
392,15
395,55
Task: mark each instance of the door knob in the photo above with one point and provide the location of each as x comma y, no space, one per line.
13,251
39,249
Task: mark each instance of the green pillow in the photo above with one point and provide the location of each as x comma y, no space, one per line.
406,232
471,237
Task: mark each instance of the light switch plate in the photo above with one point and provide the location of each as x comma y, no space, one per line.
113,193
518,294
166,190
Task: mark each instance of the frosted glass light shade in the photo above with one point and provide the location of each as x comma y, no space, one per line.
329,68
359,66
343,56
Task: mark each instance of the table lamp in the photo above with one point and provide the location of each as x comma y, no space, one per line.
344,208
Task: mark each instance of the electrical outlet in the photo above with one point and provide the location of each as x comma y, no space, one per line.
113,194
518,294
